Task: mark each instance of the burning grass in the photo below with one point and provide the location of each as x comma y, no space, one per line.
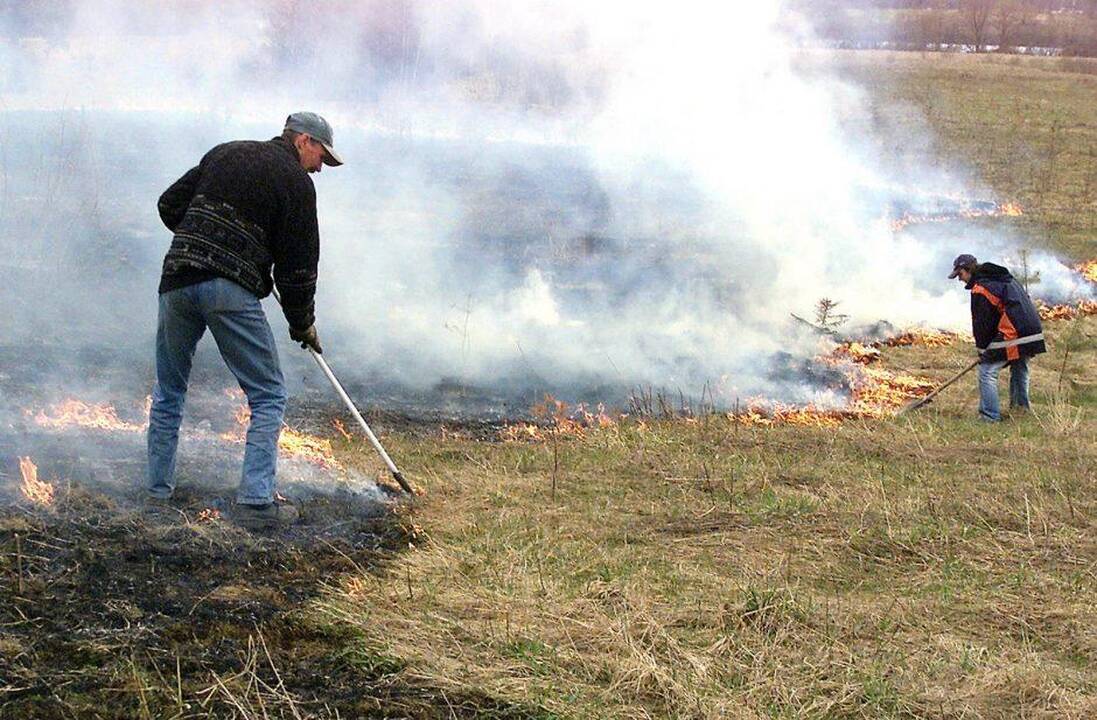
1085,308
74,413
962,212
291,443
700,568
874,392
36,491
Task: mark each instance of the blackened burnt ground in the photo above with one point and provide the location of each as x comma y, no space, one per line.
115,612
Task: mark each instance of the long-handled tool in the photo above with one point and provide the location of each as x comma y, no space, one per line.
923,400
396,474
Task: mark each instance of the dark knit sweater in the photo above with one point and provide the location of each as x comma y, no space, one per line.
248,206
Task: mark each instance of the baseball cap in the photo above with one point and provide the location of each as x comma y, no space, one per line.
962,261
318,129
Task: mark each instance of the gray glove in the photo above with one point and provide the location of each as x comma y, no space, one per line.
308,338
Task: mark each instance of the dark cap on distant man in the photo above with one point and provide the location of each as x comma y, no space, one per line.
962,261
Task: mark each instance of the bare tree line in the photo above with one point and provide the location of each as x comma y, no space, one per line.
1069,26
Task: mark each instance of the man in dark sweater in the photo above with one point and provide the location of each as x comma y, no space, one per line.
247,209
1007,330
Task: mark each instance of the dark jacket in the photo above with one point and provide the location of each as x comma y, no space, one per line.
248,206
1004,320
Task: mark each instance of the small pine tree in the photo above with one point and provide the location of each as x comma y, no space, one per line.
826,316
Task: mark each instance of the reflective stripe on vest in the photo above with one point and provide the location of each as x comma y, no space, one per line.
1013,343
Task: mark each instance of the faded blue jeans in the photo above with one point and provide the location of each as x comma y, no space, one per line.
239,326
988,387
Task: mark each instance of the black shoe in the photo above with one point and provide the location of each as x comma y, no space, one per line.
265,517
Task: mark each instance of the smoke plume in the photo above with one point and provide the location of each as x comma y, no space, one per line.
570,197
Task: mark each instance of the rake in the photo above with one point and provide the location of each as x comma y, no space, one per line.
923,400
396,474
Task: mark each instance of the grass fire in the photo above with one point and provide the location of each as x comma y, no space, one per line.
37,491
537,361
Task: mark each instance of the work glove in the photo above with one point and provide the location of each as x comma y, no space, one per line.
308,338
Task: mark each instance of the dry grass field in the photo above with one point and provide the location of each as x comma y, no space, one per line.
924,566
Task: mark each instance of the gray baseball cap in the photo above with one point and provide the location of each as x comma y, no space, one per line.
962,261
318,129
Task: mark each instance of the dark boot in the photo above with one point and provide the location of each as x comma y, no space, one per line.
265,517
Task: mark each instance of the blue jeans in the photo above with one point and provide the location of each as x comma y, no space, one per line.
236,321
988,387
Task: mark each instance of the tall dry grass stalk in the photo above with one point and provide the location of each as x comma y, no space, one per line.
1059,416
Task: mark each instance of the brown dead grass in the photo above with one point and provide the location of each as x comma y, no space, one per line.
927,566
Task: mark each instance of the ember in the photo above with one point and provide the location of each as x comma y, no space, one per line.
208,515
37,491
75,413
338,425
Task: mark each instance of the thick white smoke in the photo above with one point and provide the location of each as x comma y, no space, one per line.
560,196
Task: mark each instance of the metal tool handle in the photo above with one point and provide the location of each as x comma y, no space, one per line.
923,400
396,474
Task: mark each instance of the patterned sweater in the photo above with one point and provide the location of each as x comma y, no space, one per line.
248,206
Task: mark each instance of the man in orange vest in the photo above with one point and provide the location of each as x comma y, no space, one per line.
1007,331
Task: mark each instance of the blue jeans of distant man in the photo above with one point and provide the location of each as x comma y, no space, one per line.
988,387
238,325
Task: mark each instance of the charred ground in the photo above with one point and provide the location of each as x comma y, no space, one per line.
112,612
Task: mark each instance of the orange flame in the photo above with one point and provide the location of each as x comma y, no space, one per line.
555,418
75,413
1085,308
922,337
307,447
208,515
858,353
292,442
1089,270
1008,209
875,393
37,491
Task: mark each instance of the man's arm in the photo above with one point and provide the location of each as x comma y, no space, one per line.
296,251
176,199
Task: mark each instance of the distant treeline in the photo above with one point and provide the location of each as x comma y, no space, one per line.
1066,27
